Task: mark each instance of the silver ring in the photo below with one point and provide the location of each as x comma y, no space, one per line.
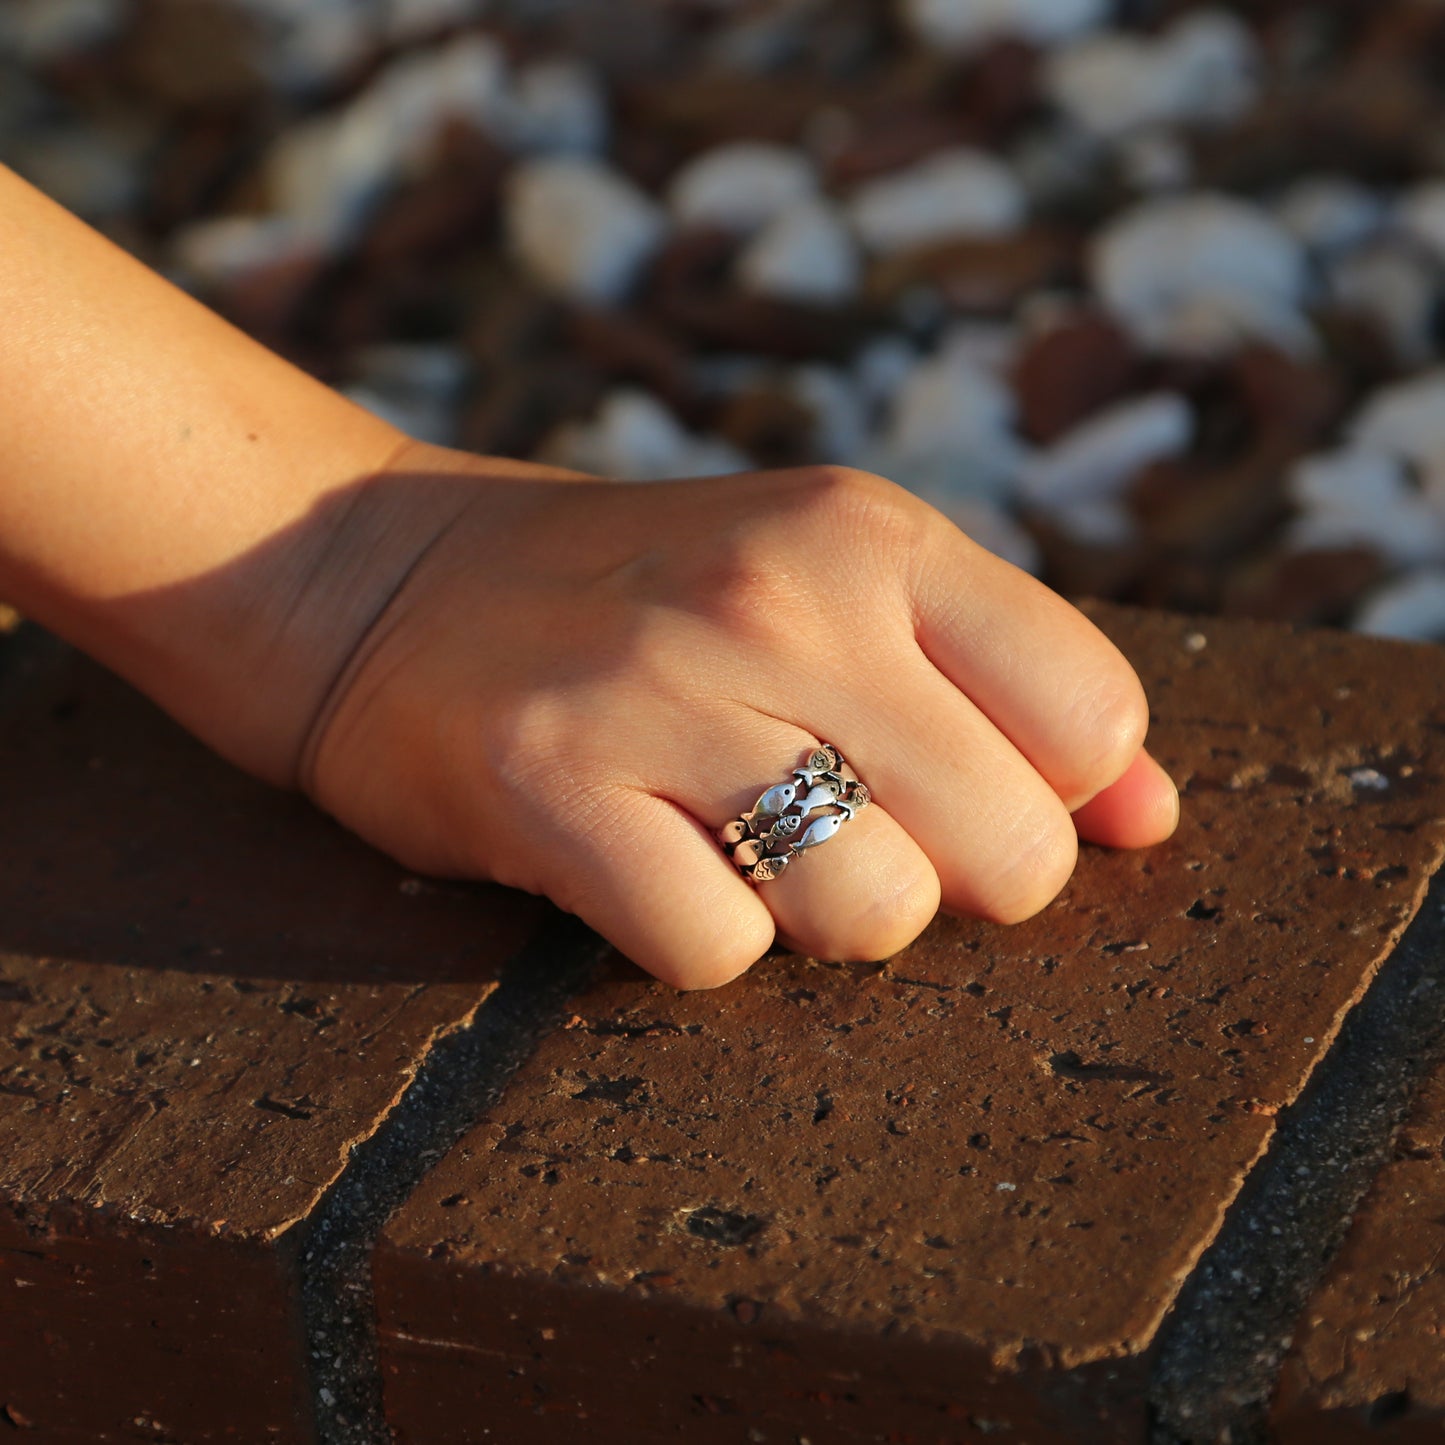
822,795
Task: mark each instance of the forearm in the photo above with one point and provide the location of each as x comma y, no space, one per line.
168,488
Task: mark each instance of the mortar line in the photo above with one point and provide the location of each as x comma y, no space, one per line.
1222,1345
460,1078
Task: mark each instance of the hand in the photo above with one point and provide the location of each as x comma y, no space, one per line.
579,683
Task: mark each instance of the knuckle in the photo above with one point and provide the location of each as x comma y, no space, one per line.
717,965
1035,872
888,922
832,537
524,741
1107,722
857,506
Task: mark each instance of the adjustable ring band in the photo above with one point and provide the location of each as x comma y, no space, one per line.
823,795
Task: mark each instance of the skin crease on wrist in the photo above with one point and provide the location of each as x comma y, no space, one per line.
497,670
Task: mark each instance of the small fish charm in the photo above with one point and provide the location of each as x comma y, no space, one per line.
786,826
820,831
825,795
777,800
770,867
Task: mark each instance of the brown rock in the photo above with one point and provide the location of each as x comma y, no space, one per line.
626,347
703,110
785,330
208,994
193,55
1368,1359
449,206
769,425
516,409
689,293
991,275
1287,399
1217,513
1070,371
906,136
1320,586
1079,568
955,1193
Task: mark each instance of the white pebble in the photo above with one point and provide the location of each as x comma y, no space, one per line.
1370,778
1396,287
309,45
1353,479
1407,419
952,426
1155,160
326,172
37,31
1108,85
1413,607
954,194
742,186
216,251
634,436
1420,214
965,25
1057,163
1099,522
581,228
839,412
991,346
1408,536
414,367
1360,497
408,19
556,106
1214,64
1098,459
1202,70
1165,254
95,172
882,366
1210,327
805,254
1330,214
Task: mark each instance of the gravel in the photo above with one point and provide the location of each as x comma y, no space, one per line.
1145,295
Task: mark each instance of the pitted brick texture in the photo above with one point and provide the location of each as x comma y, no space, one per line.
958,1192
1368,1359
208,994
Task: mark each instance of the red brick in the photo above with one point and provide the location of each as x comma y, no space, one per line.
956,1193
1368,1357
208,994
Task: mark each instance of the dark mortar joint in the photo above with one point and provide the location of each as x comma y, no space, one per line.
464,1074
1219,1352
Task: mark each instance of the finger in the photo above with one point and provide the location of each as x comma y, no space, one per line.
998,836
1139,810
656,884
863,895
1047,678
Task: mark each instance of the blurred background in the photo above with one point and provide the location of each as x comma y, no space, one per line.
1145,294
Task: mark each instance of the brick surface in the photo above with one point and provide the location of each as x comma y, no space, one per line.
953,1194
208,993
1368,1359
